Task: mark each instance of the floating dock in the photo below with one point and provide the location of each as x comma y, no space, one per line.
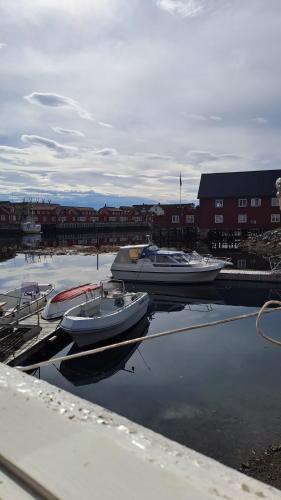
22,340
249,275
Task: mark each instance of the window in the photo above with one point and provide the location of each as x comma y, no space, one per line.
190,219
242,218
255,202
219,203
218,219
175,218
242,202
275,217
3,217
274,202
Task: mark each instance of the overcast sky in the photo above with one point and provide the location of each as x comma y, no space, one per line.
109,100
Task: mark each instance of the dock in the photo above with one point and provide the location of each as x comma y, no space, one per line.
249,275
25,338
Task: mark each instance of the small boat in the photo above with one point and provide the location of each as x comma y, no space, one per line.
106,316
67,299
30,227
149,263
24,301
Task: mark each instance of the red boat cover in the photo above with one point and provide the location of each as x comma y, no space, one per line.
74,292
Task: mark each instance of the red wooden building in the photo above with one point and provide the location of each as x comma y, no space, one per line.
239,200
168,216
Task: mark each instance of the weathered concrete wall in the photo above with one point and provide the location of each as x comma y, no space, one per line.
55,445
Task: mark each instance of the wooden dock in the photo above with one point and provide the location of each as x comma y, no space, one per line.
249,275
26,338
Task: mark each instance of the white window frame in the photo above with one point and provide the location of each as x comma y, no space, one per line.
255,202
3,217
275,218
219,203
218,219
242,218
274,202
242,202
175,219
190,219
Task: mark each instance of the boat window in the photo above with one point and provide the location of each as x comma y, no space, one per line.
134,254
181,259
164,259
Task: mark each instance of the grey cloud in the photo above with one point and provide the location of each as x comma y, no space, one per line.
152,156
105,152
57,101
216,118
67,131
104,124
198,157
3,45
260,120
183,8
60,150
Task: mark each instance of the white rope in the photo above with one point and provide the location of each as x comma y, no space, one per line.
140,339
258,320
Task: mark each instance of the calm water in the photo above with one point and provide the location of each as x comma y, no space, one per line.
215,389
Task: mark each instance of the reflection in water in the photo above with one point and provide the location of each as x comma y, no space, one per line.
31,240
92,369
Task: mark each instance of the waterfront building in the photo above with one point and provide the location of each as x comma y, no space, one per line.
237,201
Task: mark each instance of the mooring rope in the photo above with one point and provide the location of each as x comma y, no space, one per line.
258,320
141,339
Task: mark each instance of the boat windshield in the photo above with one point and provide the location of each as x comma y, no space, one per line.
170,259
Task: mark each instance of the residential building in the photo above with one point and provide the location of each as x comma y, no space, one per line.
239,200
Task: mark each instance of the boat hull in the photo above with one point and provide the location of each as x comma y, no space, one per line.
88,331
204,276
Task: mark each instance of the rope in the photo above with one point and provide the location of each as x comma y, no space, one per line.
138,340
260,313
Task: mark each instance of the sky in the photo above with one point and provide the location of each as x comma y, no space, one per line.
109,101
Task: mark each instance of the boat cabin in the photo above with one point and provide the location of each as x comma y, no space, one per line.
132,254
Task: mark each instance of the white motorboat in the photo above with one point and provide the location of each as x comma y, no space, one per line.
106,316
149,263
30,227
23,301
67,299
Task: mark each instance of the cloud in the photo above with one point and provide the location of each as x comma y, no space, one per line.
260,120
183,8
105,152
3,45
103,124
67,131
60,150
199,118
198,157
57,101
154,156
216,118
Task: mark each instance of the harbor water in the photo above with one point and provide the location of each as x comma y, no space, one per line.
215,389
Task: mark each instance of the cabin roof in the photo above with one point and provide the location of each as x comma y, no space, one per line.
239,184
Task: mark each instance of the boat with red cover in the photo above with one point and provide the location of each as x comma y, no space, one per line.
66,299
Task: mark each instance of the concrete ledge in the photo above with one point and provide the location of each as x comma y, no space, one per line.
70,449
247,275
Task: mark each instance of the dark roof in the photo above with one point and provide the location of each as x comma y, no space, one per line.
234,184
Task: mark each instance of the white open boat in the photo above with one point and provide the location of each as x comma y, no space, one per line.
106,316
23,301
67,299
149,263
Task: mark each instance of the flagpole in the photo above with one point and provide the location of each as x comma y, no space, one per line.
180,188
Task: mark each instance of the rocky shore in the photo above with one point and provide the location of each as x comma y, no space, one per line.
265,244
266,467
71,250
